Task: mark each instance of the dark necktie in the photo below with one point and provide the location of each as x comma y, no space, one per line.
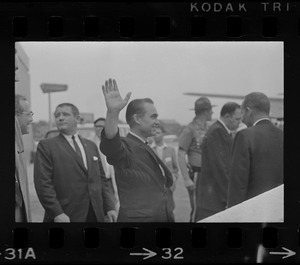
77,148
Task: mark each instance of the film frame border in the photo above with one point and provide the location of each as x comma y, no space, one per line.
130,21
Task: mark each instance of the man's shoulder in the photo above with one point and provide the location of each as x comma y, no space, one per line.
266,128
246,134
252,130
191,125
130,141
50,140
52,143
215,127
187,129
195,126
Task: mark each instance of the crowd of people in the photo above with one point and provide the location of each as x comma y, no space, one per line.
110,178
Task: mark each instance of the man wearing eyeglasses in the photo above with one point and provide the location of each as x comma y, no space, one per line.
23,119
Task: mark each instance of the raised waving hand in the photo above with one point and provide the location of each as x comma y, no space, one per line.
114,101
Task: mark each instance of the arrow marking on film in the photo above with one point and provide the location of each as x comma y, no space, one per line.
148,255
288,253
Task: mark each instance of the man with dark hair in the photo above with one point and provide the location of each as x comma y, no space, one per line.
190,147
23,118
212,185
142,178
68,174
257,156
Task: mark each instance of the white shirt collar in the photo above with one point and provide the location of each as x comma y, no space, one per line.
260,120
140,138
69,136
80,145
224,125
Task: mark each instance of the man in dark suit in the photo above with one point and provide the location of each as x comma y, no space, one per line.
257,156
212,185
142,178
68,174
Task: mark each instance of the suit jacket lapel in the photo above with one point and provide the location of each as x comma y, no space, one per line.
168,175
144,145
72,152
228,136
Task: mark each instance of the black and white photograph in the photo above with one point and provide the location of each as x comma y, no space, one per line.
172,132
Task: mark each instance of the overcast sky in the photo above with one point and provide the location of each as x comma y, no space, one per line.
162,71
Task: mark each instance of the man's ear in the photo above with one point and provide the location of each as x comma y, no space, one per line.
250,111
78,118
136,118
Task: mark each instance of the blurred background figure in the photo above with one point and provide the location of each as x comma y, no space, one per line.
99,124
23,119
190,147
212,185
168,155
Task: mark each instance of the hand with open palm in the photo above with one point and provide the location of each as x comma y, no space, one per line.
114,101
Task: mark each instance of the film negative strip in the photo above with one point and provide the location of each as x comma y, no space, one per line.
239,202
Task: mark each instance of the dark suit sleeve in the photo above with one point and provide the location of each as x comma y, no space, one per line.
239,172
109,201
114,150
43,172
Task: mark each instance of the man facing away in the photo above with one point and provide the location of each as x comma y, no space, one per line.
212,185
142,178
68,174
23,118
168,155
190,146
257,156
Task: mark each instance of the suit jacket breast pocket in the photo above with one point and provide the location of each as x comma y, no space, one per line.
95,159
